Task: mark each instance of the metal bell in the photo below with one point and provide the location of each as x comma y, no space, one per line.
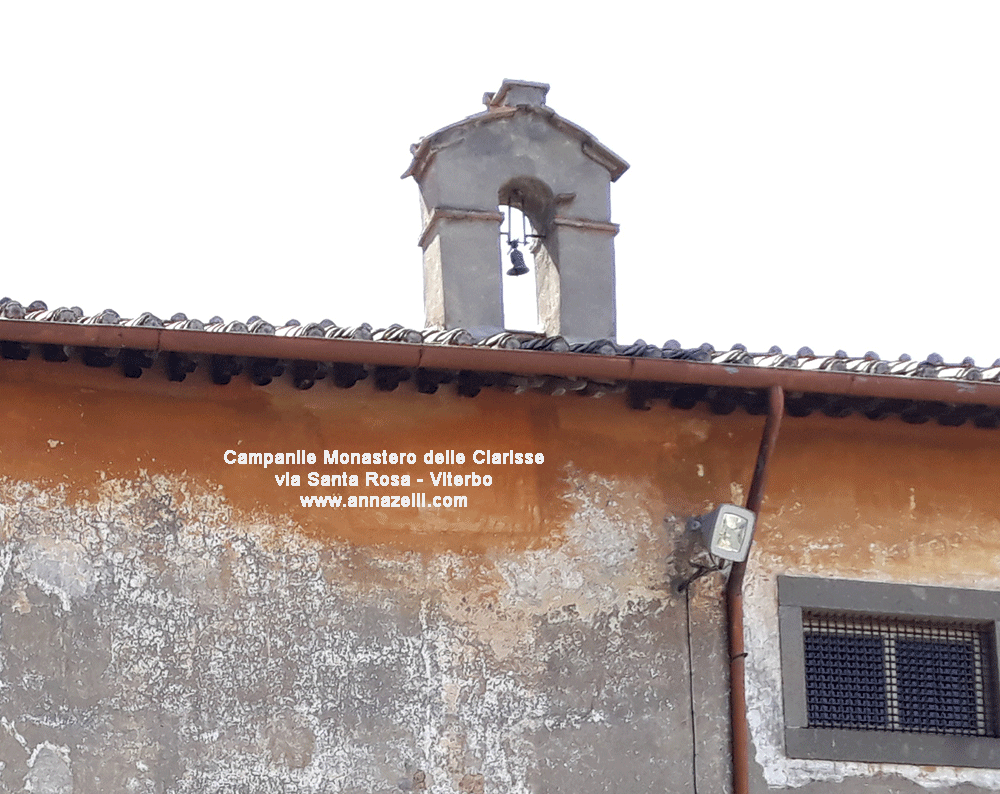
517,260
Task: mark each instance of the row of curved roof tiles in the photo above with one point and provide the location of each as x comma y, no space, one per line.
934,366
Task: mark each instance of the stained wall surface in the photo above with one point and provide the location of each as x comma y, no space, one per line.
873,501
172,623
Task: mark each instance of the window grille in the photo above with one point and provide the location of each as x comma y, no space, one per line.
876,673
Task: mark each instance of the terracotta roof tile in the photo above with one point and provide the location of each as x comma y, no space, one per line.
933,368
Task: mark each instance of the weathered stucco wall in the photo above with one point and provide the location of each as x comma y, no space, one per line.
886,502
170,623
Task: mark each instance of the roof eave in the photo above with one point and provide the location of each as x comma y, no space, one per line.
608,369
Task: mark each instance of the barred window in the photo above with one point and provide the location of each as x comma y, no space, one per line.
865,672
889,673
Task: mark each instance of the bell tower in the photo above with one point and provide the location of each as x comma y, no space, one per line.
518,153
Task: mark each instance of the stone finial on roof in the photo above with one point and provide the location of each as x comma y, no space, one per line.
515,93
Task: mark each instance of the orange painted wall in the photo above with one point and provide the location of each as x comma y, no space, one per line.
74,426
855,496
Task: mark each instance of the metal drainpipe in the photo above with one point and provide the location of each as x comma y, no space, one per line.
734,602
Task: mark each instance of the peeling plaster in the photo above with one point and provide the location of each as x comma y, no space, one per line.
215,650
58,568
49,770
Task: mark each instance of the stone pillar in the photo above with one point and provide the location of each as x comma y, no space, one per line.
576,279
462,277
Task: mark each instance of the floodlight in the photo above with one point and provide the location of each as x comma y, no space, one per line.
727,531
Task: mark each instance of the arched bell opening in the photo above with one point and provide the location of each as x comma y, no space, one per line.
528,208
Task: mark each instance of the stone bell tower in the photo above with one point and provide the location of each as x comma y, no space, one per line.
518,152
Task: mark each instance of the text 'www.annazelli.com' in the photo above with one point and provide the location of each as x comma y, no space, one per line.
362,501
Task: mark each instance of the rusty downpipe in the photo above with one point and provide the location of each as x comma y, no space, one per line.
734,601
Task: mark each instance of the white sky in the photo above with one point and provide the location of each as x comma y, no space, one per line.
822,174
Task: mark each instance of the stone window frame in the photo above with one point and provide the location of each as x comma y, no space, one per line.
799,593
